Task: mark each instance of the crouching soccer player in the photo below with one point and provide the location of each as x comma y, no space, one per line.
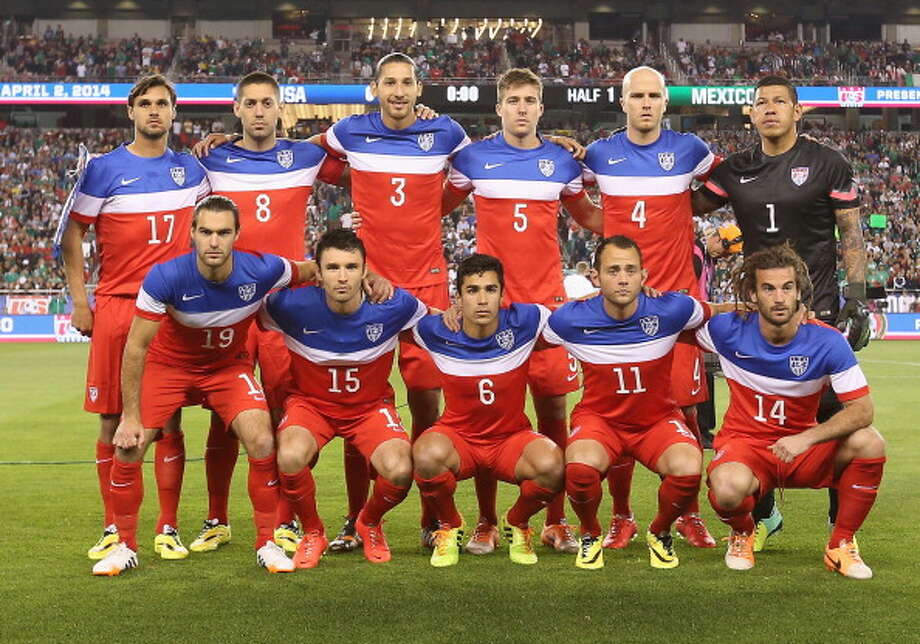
777,369
341,349
187,346
484,368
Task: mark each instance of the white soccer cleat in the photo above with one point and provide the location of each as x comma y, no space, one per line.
271,557
120,559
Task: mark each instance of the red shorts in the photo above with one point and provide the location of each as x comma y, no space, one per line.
813,468
499,458
688,376
268,349
415,365
366,433
552,372
227,390
644,446
112,317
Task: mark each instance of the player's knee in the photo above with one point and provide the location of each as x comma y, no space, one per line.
260,445
430,454
681,460
132,455
727,489
549,468
295,450
866,443
395,463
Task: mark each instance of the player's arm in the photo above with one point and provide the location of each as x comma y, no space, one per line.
130,432
573,147
856,414
705,201
452,196
854,317
377,288
584,211
72,253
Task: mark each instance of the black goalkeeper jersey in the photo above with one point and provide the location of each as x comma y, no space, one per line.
790,196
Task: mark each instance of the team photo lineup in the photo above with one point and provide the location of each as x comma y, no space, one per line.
287,353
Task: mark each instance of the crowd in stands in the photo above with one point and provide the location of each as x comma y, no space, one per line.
436,58
207,57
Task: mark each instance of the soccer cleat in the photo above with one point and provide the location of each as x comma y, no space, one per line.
271,557
622,530
590,553
426,534
118,560
484,539
740,552
691,527
309,549
347,540
766,528
105,545
845,559
559,537
520,543
213,535
446,550
287,535
376,548
661,550
168,545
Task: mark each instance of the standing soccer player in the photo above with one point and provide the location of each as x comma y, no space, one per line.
792,188
484,427
139,197
518,181
187,345
777,368
644,174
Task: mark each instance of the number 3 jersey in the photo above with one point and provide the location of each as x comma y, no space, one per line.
340,363
485,380
205,323
141,209
776,390
626,363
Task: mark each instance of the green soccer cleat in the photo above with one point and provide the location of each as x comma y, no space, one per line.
590,553
446,550
168,545
106,544
661,551
287,535
213,535
766,528
520,543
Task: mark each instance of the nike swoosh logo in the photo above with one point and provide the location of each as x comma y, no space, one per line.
114,484
489,166
100,461
742,355
308,331
571,378
747,179
235,159
128,182
170,459
272,483
864,487
372,139
186,298
695,391
591,331
616,161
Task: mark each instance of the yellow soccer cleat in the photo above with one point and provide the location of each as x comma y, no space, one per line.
845,559
168,545
213,535
446,550
661,551
766,528
520,543
105,545
590,553
287,535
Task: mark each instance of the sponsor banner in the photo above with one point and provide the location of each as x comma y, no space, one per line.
811,96
38,328
895,326
28,304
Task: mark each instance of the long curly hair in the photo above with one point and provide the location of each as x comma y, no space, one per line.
744,278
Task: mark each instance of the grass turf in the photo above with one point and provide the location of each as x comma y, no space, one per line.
51,515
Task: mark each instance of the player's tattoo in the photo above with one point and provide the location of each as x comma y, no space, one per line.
852,245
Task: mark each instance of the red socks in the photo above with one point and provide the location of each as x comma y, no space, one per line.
619,481
104,455
263,493
219,460
357,479
486,495
856,489
168,468
583,487
674,495
386,496
531,500
126,493
556,430
438,494
740,518
300,493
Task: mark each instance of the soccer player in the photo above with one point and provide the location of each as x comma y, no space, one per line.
644,174
518,181
271,181
187,345
624,341
139,198
341,348
790,187
484,427
777,368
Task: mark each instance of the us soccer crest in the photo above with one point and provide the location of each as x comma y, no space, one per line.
426,141
547,167
666,160
373,331
505,339
799,174
649,324
285,158
93,394
798,364
247,291
178,175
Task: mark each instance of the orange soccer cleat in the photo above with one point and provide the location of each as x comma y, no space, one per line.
692,528
845,559
376,548
622,530
740,552
310,549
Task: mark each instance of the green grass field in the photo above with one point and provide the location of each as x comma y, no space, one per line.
51,515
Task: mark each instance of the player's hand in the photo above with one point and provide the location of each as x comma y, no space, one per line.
425,113
576,149
451,317
208,143
378,289
351,220
788,447
130,434
650,291
82,320
853,322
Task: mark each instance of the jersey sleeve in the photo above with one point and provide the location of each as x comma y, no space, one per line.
847,378
704,339
331,141
461,138
575,187
204,187
92,193
707,160
698,314
842,183
421,310
331,170
549,335
285,270
457,179
153,296
265,320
